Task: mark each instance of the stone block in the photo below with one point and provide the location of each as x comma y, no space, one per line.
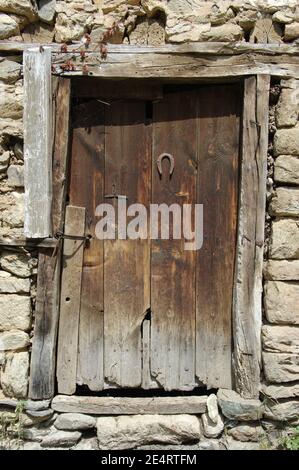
10,71
281,302
286,141
14,377
281,339
280,391
74,422
291,31
287,108
250,432
16,263
285,202
281,367
13,340
128,432
234,407
285,239
281,270
210,428
8,26
61,439
286,169
15,312
285,411
13,285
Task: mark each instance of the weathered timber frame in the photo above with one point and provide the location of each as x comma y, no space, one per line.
253,63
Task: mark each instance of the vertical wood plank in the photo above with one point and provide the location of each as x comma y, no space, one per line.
147,380
86,190
217,190
43,355
248,279
70,300
62,95
37,142
126,262
173,267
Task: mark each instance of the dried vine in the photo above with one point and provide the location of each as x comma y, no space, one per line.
70,65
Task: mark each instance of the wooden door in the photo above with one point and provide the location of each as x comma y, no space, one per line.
151,314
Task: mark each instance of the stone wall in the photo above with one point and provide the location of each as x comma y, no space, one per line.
280,332
144,20
229,421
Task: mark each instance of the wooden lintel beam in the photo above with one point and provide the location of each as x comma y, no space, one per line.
210,48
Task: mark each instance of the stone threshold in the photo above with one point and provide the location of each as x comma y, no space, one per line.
130,406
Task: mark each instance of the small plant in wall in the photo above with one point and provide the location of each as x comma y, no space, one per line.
291,442
11,427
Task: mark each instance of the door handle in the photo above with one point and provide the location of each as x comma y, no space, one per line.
159,163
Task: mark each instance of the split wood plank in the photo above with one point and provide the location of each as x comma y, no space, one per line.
62,96
147,379
130,406
37,142
70,300
90,87
43,355
248,282
217,190
173,267
87,190
126,261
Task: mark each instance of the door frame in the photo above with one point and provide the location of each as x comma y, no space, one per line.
49,164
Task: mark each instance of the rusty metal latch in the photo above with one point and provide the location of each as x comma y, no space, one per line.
61,235
171,161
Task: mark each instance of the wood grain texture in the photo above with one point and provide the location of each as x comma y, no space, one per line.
42,242
248,284
43,355
37,142
209,48
173,267
217,190
62,96
90,87
147,379
126,262
87,190
70,300
199,69
130,406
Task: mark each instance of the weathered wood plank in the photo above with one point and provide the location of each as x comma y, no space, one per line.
60,151
37,142
247,312
90,87
130,406
169,66
212,48
87,190
43,355
217,190
147,380
172,266
185,72
126,261
70,301
43,242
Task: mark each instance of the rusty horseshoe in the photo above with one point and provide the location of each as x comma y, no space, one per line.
159,163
